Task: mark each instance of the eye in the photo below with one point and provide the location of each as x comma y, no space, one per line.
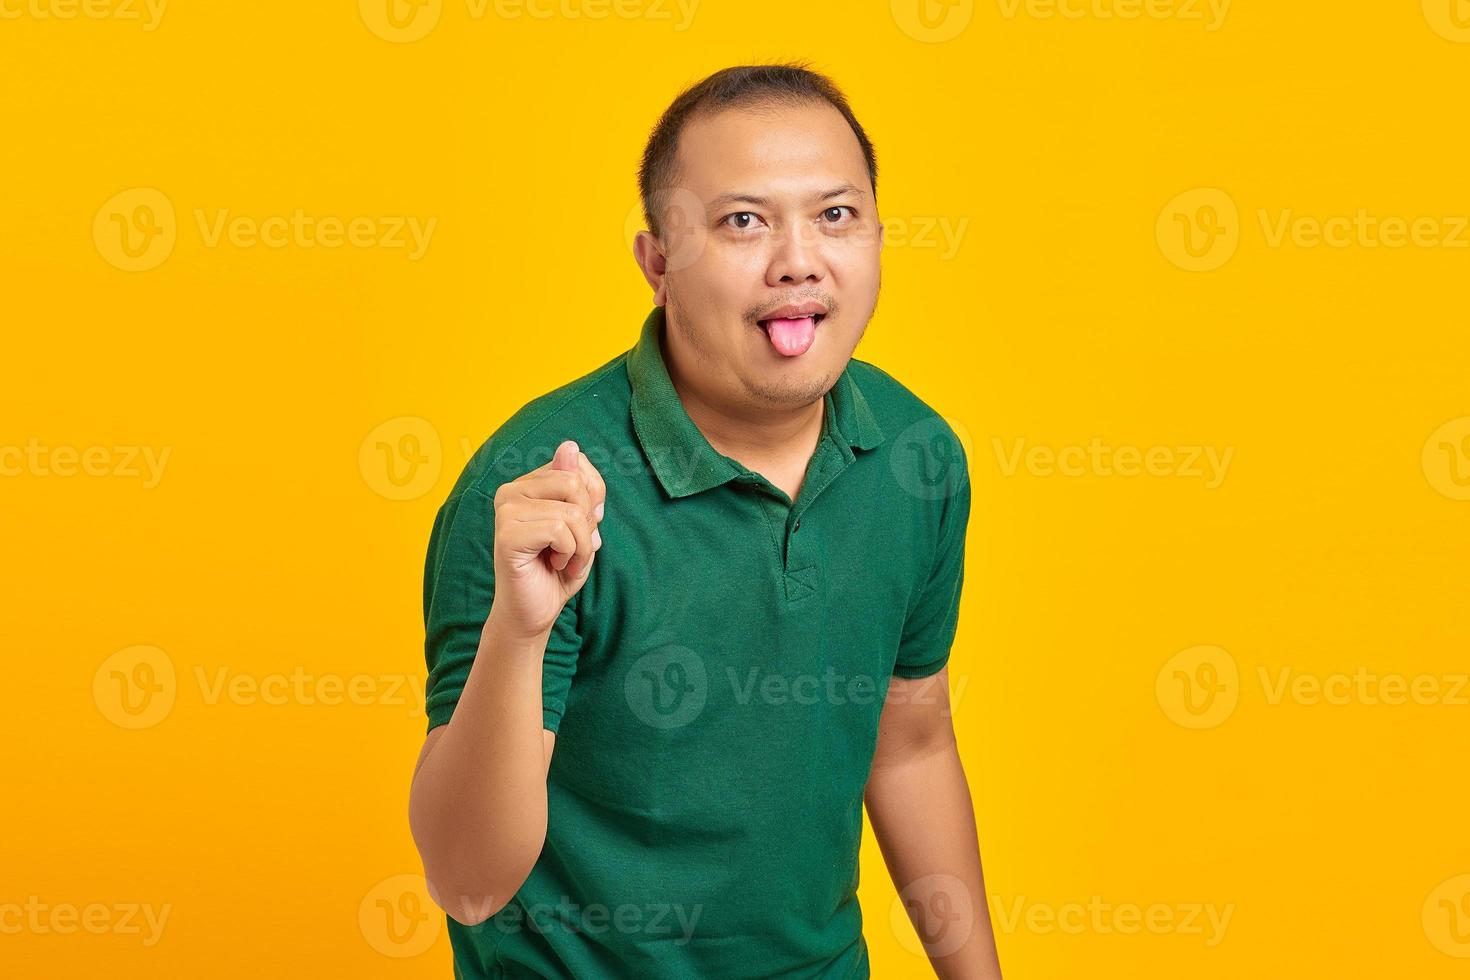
742,220
834,214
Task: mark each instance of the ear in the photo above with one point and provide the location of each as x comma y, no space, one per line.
653,262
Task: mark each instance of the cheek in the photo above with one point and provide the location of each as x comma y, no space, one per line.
738,266
723,282
856,263
722,270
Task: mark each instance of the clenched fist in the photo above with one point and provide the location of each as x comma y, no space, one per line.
545,537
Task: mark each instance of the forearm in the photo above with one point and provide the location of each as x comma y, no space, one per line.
925,824
477,807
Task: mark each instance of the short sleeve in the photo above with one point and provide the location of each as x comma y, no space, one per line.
929,630
459,587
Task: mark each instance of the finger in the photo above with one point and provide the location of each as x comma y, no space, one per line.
582,527
556,485
534,537
580,540
576,569
568,456
596,486
565,541
565,457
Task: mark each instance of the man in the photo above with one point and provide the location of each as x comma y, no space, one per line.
669,664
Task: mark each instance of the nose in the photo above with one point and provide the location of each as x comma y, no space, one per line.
797,259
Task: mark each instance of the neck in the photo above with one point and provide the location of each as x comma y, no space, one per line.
760,434
753,435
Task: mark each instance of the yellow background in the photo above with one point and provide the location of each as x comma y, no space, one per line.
1051,148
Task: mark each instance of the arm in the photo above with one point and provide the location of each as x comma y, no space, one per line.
919,804
477,805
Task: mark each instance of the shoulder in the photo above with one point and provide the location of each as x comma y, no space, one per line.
589,409
924,453
900,412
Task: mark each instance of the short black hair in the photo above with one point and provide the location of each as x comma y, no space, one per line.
740,87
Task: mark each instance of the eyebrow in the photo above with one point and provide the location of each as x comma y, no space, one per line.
742,198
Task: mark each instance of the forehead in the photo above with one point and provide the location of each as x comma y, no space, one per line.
770,149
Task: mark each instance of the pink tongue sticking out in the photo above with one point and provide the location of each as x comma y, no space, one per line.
792,337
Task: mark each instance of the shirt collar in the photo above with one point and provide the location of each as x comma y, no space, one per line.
681,457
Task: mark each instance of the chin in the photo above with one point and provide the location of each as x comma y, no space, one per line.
794,388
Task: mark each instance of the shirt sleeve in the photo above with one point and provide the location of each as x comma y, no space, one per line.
929,630
459,587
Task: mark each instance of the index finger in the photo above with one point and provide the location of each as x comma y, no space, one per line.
563,459
564,456
595,484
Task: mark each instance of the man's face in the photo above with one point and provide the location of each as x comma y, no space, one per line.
772,208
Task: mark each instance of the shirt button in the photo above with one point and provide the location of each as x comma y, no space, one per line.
796,528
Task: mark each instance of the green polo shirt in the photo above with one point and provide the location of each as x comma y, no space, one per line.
716,684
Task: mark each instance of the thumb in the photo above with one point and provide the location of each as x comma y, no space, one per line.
566,457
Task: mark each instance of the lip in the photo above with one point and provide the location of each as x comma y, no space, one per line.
793,310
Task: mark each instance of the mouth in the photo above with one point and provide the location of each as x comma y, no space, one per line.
793,333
